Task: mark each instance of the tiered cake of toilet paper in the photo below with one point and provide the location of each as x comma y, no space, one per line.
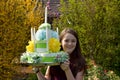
44,47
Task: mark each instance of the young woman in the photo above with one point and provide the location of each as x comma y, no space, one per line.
72,69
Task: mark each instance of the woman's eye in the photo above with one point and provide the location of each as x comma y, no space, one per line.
73,41
66,40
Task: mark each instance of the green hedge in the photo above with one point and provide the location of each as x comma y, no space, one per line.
98,25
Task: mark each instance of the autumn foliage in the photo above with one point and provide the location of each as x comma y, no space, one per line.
16,19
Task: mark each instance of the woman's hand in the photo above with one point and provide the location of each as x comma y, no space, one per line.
65,66
36,69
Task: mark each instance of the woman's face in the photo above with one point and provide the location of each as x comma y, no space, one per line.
69,43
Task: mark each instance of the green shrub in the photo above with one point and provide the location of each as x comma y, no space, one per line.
97,72
98,25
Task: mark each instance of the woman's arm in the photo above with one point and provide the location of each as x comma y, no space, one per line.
70,76
80,75
47,74
40,76
65,67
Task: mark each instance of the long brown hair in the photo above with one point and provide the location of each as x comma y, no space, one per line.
76,58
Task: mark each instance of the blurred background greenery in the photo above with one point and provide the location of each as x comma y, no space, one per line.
96,21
